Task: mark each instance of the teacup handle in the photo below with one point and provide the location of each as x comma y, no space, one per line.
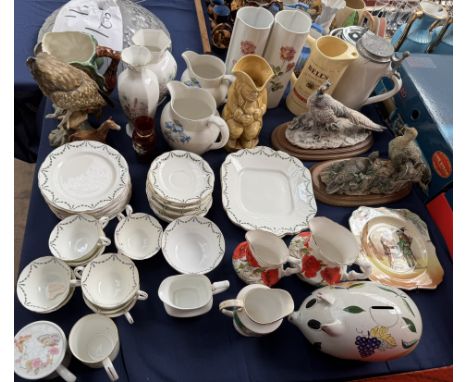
128,212
223,128
75,282
220,286
141,295
104,241
227,307
103,221
366,268
110,370
78,271
65,374
129,318
296,268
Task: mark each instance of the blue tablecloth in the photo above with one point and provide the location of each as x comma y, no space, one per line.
207,348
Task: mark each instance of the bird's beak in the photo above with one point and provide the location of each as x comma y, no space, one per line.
30,60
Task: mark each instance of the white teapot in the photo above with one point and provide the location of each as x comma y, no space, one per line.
360,320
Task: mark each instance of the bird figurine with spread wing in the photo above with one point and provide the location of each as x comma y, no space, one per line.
73,92
329,124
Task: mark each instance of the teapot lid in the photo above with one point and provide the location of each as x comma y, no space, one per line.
434,10
375,48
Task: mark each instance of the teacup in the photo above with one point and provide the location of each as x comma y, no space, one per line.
109,281
189,295
258,310
45,284
94,340
77,237
261,258
41,352
325,252
138,235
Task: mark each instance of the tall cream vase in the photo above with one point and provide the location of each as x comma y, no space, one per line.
284,46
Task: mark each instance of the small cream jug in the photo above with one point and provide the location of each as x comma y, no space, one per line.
190,120
376,60
328,60
207,72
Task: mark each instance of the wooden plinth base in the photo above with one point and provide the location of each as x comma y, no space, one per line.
279,142
351,200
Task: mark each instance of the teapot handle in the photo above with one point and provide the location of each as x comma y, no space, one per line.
372,21
397,83
223,128
366,268
312,42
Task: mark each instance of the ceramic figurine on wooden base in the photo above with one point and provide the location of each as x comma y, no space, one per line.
247,102
373,180
73,92
327,130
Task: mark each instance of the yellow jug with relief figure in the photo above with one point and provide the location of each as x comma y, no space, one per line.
247,101
328,60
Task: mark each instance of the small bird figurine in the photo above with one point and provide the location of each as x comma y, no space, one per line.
406,156
73,93
325,111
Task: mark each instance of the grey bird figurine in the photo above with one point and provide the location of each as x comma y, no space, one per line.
326,112
406,156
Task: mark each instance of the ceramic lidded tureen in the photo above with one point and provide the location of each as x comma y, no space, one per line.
360,320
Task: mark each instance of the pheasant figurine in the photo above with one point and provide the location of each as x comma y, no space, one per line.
329,124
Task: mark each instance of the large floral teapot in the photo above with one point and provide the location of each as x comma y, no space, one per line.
360,320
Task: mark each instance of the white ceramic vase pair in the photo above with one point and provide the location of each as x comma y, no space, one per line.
278,39
142,85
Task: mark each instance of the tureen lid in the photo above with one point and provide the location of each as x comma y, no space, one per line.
375,48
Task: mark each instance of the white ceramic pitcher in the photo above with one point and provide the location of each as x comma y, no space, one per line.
207,72
191,122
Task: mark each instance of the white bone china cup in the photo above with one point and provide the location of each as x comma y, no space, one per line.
78,236
94,340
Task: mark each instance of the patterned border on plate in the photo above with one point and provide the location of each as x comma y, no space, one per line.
102,259
202,221
205,169
26,273
139,216
54,235
268,153
45,174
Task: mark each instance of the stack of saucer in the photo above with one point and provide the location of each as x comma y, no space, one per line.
179,183
85,177
110,284
78,239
